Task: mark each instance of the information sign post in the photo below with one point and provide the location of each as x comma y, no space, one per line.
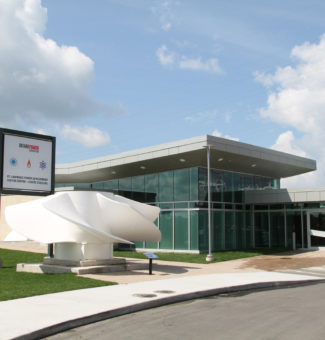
27,163
150,256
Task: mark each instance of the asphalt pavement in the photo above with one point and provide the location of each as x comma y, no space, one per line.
294,312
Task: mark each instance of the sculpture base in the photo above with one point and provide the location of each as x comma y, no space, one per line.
82,263
83,251
53,266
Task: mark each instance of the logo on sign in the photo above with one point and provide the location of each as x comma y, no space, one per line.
29,164
42,165
30,147
13,161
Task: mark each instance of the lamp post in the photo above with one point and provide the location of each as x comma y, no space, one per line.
209,257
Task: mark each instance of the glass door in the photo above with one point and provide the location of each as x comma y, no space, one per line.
297,225
316,223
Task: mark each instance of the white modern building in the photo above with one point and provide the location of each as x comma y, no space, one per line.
214,194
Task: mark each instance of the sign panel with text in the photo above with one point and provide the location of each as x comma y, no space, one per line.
27,163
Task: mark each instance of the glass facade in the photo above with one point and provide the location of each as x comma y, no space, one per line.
182,196
277,229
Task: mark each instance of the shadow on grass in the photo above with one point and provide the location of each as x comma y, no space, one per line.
220,256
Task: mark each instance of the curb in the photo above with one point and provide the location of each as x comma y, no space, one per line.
86,320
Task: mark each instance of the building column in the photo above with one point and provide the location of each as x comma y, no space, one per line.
209,256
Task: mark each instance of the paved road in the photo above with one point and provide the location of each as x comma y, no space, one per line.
291,313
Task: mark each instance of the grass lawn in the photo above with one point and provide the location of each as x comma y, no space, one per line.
200,258
15,285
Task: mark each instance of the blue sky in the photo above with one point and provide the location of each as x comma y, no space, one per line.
108,76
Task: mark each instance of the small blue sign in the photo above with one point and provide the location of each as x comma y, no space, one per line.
151,255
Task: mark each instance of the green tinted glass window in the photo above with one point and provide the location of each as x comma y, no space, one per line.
203,184
98,186
166,189
261,229
276,184
203,231
228,187
138,193
314,205
194,230
217,185
151,187
194,184
236,179
182,185
152,245
230,230
240,230
277,229
111,185
138,183
239,196
219,230
249,230
166,229
82,186
139,244
181,230
294,206
294,225
125,184
249,182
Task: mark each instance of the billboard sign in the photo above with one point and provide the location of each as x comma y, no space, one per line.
28,163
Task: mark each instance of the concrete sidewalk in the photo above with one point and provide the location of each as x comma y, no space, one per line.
44,315
41,316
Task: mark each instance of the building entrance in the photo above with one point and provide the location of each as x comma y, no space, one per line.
316,226
297,224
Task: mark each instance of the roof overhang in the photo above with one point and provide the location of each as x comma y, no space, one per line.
224,155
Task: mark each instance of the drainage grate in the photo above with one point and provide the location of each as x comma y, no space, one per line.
145,295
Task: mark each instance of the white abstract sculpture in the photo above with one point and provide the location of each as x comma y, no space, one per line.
83,225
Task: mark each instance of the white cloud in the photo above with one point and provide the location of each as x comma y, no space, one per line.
210,65
217,133
42,131
169,58
87,136
40,81
165,56
297,100
164,11
286,143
